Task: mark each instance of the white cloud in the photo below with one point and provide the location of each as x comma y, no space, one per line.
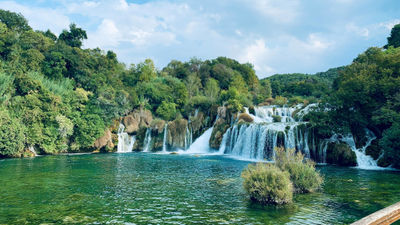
389,24
279,11
40,18
362,31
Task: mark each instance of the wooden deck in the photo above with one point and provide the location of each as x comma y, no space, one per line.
385,216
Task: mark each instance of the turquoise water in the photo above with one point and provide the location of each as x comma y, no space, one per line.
139,188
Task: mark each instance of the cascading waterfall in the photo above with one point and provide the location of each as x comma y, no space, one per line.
147,141
125,141
188,137
164,148
258,140
363,161
200,145
32,149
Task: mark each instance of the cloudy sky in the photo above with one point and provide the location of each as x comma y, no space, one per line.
288,36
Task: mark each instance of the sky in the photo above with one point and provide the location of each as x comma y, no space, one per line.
291,36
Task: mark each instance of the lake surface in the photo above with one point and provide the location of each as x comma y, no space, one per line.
139,188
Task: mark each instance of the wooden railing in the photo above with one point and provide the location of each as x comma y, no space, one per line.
385,216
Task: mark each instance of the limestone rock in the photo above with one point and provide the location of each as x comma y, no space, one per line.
136,120
218,132
177,133
104,141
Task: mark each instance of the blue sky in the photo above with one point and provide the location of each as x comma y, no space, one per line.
275,36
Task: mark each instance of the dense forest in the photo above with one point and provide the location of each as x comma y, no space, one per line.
57,97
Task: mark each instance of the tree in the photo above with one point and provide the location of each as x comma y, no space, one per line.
193,84
14,21
74,36
167,110
394,39
211,90
12,137
390,143
146,71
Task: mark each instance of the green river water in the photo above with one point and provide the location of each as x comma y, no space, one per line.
139,188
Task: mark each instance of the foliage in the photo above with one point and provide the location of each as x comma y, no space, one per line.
280,100
390,143
267,184
297,84
166,110
212,89
14,21
12,137
74,36
302,172
394,38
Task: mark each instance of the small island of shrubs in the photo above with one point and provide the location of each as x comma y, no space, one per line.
268,183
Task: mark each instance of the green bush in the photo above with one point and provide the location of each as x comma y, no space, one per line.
11,135
267,184
279,100
302,172
167,111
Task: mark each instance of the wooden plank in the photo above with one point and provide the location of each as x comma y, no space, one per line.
384,216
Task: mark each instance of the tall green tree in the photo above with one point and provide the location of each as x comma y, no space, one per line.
394,38
74,36
14,21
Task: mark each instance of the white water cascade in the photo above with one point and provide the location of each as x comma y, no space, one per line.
32,149
147,141
363,161
164,147
201,144
258,140
188,138
125,141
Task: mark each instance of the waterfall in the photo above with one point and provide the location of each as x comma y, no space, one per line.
188,137
363,161
201,144
258,140
147,140
32,149
125,141
164,148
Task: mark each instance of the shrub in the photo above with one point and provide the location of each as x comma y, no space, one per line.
167,110
266,184
11,135
277,118
302,172
279,100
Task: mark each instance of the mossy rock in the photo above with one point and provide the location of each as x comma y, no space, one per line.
246,118
340,154
218,132
277,118
252,110
280,139
374,150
